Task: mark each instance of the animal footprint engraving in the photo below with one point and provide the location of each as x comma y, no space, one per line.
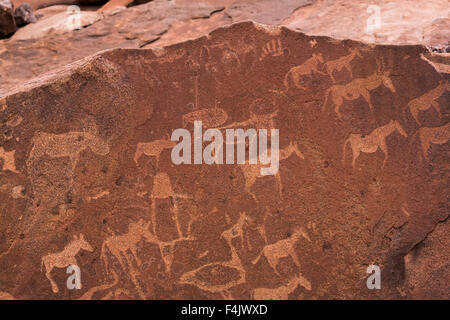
272,48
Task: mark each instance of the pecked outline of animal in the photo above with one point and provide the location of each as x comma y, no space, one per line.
69,144
282,292
358,87
152,149
236,230
433,135
253,171
427,100
308,67
282,248
371,142
342,62
64,258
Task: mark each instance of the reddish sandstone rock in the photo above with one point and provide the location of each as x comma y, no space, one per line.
7,24
87,177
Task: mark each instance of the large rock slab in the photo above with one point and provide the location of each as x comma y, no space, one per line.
87,177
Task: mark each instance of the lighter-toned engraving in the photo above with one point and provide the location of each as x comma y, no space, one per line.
8,160
210,117
64,258
282,292
342,62
429,136
152,149
282,248
228,235
371,142
308,67
253,171
358,87
427,100
272,48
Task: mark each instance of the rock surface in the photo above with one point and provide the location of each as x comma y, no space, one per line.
7,24
87,176
164,22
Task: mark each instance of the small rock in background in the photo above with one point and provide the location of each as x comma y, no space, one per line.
440,48
7,24
23,15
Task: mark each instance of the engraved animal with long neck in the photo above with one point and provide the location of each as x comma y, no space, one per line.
342,62
308,67
427,100
282,248
436,135
371,142
356,88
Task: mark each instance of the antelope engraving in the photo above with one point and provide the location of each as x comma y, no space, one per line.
69,144
282,248
64,258
427,100
152,149
429,136
371,142
120,244
356,88
281,292
310,66
342,62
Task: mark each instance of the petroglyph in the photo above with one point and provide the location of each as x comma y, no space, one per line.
8,160
14,121
162,189
282,248
437,135
342,62
210,117
356,88
308,67
119,245
264,121
64,258
69,144
272,48
371,142
427,100
17,192
152,149
88,295
253,171
190,278
281,292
